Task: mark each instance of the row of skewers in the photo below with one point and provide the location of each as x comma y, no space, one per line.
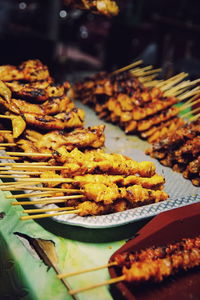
180,150
77,175
67,160
148,107
153,264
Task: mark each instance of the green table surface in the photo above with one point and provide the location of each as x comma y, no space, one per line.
24,275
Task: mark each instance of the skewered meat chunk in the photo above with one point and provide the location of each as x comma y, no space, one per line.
147,182
157,132
179,148
93,161
92,137
30,70
38,91
50,107
157,263
71,119
136,194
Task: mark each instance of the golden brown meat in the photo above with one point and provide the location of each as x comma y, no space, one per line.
92,137
79,163
50,107
30,70
136,194
71,119
38,91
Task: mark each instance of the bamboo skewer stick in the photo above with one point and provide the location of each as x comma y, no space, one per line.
7,144
136,63
47,193
24,195
61,198
172,80
40,216
40,167
14,176
189,93
41,202
46,189
13,172
191,112
41,180
193,118
29,154
187,105
7,117
5,131
65,275
2,148
110,281
37,210
24,164
9,157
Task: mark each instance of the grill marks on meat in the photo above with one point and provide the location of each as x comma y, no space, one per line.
39,91
122,99
92,137
30,70
156,263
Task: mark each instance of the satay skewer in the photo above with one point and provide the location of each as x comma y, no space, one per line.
49,201
65,275
7,144
5,131
41,216
136,63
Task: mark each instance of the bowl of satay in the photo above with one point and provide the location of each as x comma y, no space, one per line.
63,166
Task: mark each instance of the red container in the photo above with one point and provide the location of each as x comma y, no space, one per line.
167,227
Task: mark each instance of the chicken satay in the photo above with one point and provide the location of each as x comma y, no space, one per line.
136,194
10,73
50,107
92,137
162,116
71,119
93,161
34,70
38,91
163,131
152,108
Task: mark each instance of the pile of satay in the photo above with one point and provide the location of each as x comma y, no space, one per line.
149,108
53,148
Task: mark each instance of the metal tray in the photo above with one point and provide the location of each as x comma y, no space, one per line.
181,191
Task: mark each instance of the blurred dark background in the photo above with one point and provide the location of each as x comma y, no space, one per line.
162,33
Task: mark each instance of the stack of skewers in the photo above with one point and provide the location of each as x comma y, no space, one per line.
67,158
148,107
180,150
150,265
